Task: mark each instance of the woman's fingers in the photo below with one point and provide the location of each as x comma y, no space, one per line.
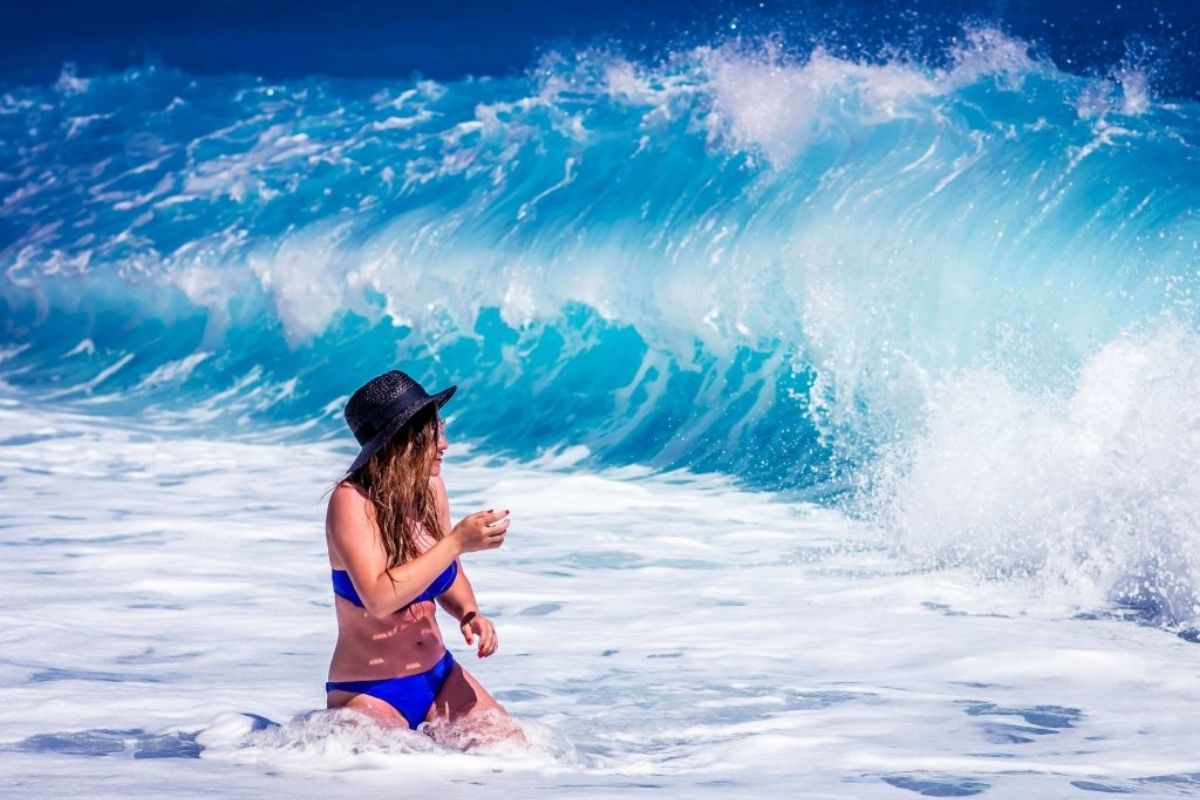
482,530
491,642
496,533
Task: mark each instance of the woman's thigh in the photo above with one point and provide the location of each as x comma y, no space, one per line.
461,695
382,712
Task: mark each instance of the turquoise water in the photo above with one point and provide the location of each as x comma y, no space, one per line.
733,260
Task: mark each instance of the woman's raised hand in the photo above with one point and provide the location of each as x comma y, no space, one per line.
483,530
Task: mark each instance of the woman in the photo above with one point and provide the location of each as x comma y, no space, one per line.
393,553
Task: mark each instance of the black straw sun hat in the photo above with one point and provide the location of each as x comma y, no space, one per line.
380,408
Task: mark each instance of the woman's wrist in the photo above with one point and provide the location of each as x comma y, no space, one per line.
470,615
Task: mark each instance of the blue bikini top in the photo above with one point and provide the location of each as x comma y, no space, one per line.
343,586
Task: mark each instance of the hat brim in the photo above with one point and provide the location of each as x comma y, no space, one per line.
393,427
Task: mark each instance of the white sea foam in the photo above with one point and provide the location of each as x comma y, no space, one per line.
90,385
85,347
174,371
304,276
69,81
658,633
1087,495
763,100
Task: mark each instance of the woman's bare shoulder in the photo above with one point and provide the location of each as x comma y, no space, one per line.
349,525
346,491
347,499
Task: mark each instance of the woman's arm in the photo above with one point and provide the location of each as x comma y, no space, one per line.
355,538
459,600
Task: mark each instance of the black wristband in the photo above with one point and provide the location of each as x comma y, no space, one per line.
470,615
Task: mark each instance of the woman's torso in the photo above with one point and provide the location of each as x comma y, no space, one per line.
406,642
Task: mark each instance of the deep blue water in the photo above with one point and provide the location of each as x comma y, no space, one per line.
355,38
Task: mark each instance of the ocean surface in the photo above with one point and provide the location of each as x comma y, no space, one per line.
841,371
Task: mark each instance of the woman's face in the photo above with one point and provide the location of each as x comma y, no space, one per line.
439,446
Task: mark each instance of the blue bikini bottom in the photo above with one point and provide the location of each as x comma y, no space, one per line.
411,695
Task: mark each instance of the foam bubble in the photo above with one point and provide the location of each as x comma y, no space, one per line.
69,82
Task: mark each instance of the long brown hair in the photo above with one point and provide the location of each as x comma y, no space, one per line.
396,480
